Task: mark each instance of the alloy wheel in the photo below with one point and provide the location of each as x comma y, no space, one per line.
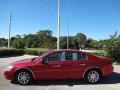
23,77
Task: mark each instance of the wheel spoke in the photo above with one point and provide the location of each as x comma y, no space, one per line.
23,77
93,76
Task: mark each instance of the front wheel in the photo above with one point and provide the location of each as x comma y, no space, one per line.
23,77
93,76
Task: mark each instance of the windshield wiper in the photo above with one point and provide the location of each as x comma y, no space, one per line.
33,58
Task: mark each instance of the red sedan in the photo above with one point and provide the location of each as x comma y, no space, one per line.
60,64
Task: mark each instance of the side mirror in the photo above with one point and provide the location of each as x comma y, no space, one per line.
44,61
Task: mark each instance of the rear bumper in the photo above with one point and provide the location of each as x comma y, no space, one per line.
107,70
9,75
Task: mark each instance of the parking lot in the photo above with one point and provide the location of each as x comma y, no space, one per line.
109,83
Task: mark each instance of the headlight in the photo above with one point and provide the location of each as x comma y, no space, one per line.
9,68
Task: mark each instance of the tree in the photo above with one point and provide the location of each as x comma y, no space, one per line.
63,42
113,48
81,39
30,41
92,44
18,44
3,42
44,37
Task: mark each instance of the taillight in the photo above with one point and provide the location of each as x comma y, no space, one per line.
108,62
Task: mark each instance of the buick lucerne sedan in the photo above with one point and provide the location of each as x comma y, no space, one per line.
60,64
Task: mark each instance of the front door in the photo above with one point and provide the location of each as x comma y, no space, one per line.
52,68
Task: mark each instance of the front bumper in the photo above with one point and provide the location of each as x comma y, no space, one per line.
9,75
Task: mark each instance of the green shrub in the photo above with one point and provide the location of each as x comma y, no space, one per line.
99,53
18,44
30,52
10,52
113,50
15,52
34,52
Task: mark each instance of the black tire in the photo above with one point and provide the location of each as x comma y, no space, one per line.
92,76
23,77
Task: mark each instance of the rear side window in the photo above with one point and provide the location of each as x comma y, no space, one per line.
75,56
82,56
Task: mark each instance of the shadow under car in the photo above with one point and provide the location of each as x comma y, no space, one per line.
112,79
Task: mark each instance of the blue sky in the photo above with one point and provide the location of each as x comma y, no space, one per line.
97,19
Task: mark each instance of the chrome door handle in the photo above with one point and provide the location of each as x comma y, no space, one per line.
56,65
82,64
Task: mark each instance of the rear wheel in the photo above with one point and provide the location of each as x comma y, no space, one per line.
23,77
93,76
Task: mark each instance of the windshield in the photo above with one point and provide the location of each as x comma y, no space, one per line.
35,58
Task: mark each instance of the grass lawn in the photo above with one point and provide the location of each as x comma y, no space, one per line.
38,49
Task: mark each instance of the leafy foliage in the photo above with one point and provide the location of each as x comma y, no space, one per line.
18,44
45,39
113,48
15,52
10,52
81,39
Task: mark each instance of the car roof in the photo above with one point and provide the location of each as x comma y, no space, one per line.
64,50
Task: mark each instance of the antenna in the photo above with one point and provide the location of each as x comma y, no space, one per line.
10,18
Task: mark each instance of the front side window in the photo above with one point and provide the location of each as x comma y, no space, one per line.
53,57
68,56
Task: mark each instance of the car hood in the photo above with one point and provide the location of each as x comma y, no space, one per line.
24,62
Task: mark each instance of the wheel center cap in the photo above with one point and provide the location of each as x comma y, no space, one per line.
23,77
92,76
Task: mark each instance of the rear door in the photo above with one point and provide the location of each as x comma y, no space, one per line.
75,64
